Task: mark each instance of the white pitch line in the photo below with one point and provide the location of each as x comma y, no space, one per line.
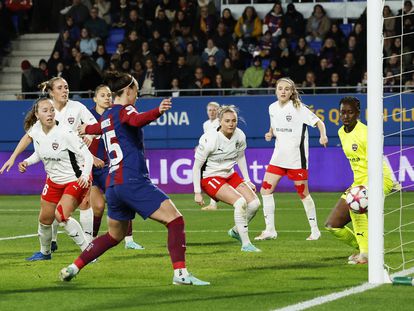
338,295
18,237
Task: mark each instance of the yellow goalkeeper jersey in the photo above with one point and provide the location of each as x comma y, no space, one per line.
355,147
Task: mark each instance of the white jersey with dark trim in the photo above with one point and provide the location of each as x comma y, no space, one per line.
220,154
74,114
289,125
59,150
211,125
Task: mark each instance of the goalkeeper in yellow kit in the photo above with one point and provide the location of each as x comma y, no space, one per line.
353,136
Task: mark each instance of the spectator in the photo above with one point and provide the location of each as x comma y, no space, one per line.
283,55
299,70
389,21
318,24
120,14
205,25
87,44
334,84
7,31
156,42
43,68
137,71
64,45
169,54
294,19
132,43
360,35
73,29
337,35
210,68
248,28
199,82
349,72
147,84
390,83
273,21
268,81
52,63
145,53
218,84
363,84
222,38
180,21
134,23
162,75
357,50
61,72
277,72
175,87
182,71
309,83
96,26
408,18
212,50
79,13
192,59
303,49
323,73
31,78
228,20
169,8
409,84
266,46
101,57
253,76
330,52
228,72
104,9
162,24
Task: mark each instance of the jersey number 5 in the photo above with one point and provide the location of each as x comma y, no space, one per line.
113,148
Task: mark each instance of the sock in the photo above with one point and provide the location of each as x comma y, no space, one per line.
176,242
74,230
129,231
240,219
86,221
345,235
360,223
95,249
45,237
96,225
310,210
181,273
269,212
213,203
252,208
55,226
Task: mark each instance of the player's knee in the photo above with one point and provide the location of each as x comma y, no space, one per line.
253,205
266,187
300,189
240,204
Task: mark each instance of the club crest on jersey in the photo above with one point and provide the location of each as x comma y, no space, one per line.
71,120
354,147
288,118
55,146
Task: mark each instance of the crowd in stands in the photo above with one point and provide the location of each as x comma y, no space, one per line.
189,44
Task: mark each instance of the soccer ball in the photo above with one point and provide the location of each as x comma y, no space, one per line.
357,199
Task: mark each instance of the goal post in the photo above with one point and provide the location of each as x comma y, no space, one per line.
375,142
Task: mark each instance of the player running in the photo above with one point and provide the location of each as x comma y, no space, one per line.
289,119
353,135
216,155
68,164
129,189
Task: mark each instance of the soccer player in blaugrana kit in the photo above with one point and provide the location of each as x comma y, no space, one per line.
289,119
103,100
129,189
353,135
216,155
70,113
211,124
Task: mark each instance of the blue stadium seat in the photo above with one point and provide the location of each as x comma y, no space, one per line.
346,29
116,35
265,63
316,46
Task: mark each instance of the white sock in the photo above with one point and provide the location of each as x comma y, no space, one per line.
310,210
86,221
74,267
45,238
252,208
269,212
181,273
55,227
240,219
212,202
129,238
74,230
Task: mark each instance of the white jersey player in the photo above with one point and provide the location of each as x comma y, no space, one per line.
289,119
211,124
213,172
68,179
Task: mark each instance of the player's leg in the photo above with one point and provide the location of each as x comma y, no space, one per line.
46,217
302,188
336,224
55,229
86,217
253,202
97,202
211,207
129,239
270,181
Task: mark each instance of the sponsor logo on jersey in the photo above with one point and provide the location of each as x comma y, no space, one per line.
288,118
71,120
354,147
55,146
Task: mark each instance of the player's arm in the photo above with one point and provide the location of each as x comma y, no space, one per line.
323,140
198,198
24,142
87,118
33,159
131,116
269,135
93,129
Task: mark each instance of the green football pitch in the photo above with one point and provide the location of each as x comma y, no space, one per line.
289,270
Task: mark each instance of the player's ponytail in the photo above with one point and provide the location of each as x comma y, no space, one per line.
47,86
227,108
119,81
295,98
30,118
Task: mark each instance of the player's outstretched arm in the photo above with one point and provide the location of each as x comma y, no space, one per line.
323,140
24,142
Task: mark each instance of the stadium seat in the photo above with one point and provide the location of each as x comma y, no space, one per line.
265,63
316,46
116,35
346,29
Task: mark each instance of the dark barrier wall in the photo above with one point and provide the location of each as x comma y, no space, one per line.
182,125
171,170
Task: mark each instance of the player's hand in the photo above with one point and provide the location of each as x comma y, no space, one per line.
82,129
87,141
98,162
323,140
23,166
268,136
165,105
83,182
7,166
198,198
251,185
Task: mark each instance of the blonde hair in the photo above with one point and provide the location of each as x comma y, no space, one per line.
295,98
47,86
227,108
30,118
213,104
